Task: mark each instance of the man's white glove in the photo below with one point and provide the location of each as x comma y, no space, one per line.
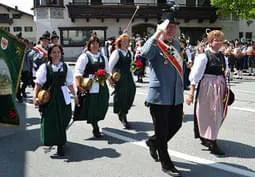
162,27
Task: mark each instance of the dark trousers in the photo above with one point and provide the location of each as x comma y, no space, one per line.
26,78
167,120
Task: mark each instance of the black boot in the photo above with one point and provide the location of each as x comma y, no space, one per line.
123,120
60,150
204,142
170,169
95,130
214,148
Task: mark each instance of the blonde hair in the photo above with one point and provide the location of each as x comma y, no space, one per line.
120,38
215,33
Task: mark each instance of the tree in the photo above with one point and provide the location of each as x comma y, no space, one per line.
239,8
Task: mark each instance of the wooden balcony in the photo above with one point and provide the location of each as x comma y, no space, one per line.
116,11
9,21
146,11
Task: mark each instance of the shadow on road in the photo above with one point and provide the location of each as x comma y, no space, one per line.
78,152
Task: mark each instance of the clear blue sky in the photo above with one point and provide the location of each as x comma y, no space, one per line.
23,5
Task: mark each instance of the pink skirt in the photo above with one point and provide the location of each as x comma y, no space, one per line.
209,110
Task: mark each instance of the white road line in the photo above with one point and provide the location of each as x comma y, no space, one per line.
187,157
242,109
231,107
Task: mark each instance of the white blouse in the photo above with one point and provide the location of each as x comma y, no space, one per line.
198,69
81,64
114,58
41,76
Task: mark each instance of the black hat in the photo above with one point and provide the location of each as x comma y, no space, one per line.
170,13
54,35
170,17
45,35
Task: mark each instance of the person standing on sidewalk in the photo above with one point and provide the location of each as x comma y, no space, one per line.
165,94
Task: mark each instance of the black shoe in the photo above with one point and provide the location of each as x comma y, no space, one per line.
172,171
153,150
214,148
204,142
124,122
60,150
95,130
96,133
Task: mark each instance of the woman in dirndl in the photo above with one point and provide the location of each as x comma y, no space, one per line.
125,89
209,71
93,102
56,77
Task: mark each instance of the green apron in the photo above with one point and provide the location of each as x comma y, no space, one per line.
93,106
125,88
56,115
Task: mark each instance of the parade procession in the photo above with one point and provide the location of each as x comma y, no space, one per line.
130,89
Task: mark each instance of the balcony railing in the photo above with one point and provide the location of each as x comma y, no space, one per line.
79,9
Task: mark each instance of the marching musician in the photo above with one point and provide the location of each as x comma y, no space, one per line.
251,59
40,52
55,77
94,101
125,89
209,71
165,94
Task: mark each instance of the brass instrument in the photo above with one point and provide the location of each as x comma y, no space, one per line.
116,76
43,96
86,83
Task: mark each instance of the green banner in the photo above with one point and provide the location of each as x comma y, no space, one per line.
12,52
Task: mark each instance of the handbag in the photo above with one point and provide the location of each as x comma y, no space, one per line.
231,95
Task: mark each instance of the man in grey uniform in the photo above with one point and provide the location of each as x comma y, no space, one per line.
165,94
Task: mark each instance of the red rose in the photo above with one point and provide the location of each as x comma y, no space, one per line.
100,72
138,64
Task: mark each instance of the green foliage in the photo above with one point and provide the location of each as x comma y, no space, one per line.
239,8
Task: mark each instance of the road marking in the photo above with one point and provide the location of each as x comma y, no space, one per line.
242,109
231,107
187,157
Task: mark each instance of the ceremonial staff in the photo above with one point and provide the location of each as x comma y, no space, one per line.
126,29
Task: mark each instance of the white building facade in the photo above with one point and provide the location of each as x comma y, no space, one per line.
75,20
15,21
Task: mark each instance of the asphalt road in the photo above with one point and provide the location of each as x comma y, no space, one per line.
123,153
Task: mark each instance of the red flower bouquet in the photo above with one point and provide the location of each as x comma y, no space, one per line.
136,66
100,76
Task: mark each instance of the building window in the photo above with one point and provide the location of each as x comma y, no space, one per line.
248,36
28,29
17,29
16,16
240,35
79,36
127,2
4,16
6,28
96,2
198,3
